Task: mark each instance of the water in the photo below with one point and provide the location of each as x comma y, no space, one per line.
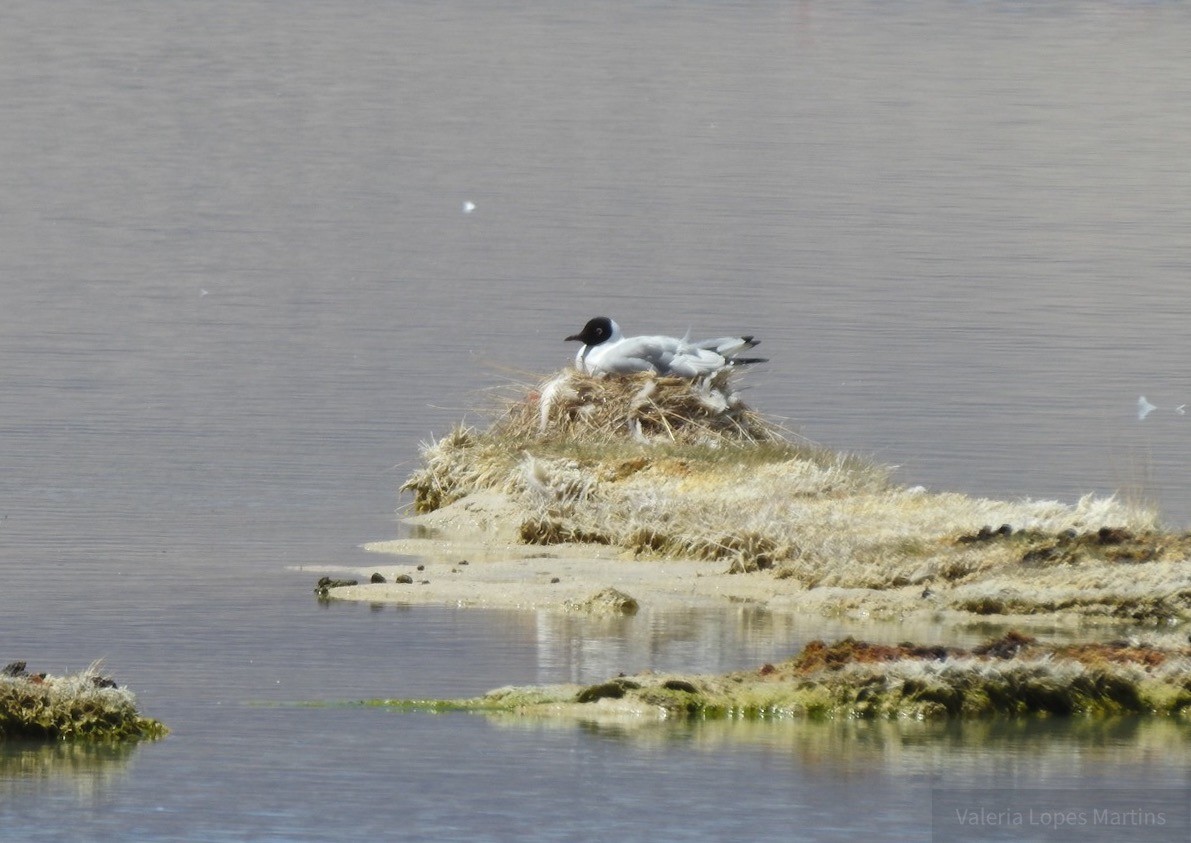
238,286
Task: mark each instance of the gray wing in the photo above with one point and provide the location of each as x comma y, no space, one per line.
636,354
666,356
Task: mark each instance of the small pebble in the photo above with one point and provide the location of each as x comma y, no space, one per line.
404,578
421,567
462,561
554,580
378,577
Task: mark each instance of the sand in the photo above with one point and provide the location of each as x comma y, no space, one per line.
469,558
472,560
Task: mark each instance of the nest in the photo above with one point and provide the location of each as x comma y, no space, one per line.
540,430
643,408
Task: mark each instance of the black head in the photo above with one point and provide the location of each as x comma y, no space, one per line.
596,331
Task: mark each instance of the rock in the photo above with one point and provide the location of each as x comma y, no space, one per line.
378,578
614,689
404,579
325,584
609,601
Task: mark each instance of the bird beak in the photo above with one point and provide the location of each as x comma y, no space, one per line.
573,337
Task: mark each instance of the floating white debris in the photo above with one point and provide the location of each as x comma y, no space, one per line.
1144,408
1181,409
468,207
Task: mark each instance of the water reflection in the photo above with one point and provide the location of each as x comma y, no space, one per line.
581,648
89,769
968,752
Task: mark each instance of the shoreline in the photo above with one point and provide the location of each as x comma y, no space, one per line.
471,567
470,557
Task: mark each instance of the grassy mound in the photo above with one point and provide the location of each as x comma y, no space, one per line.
83,705
668,467
1012,676
577,417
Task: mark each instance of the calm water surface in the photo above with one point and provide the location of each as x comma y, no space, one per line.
238,286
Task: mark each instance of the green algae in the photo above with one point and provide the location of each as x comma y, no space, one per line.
1010,677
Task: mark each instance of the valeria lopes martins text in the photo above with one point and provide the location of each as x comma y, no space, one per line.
1031,818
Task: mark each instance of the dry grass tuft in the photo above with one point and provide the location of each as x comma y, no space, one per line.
82,705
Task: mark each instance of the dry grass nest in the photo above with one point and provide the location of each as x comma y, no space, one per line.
642,408
541,433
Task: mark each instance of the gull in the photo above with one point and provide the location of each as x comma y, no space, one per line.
607,351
